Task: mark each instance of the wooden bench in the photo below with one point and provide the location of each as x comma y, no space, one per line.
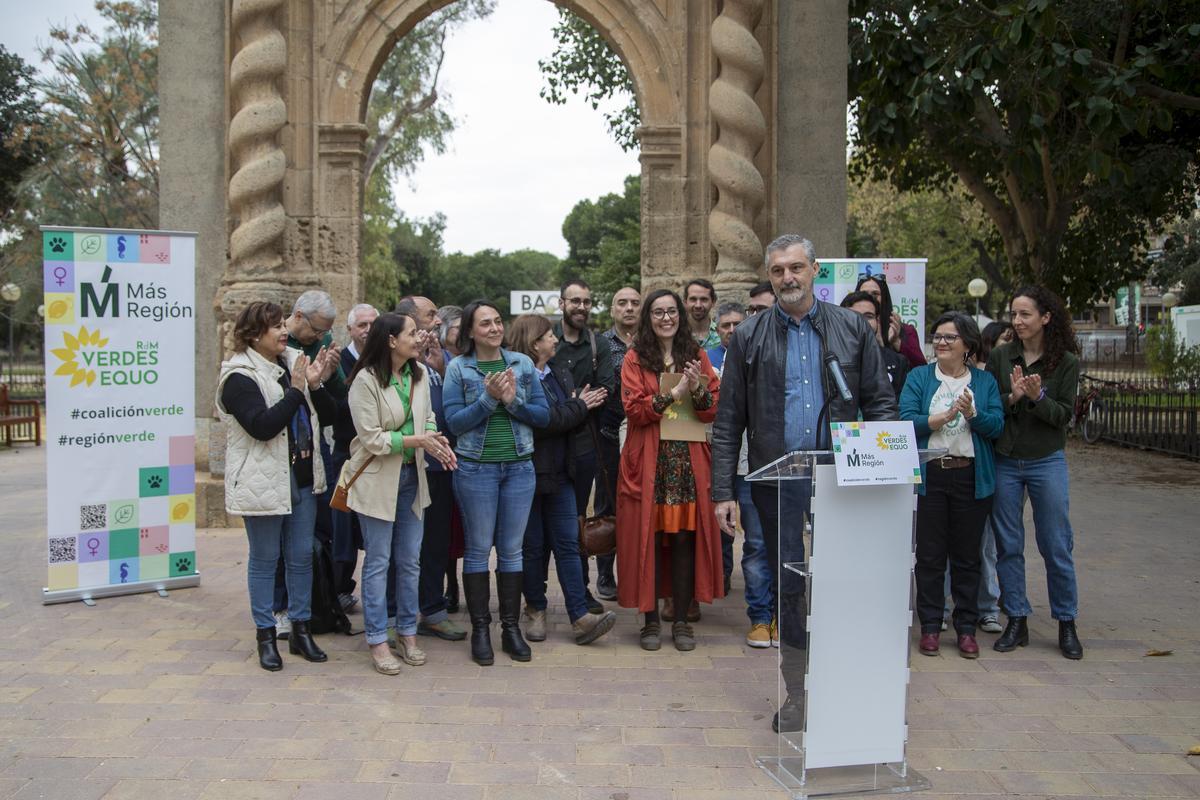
20,420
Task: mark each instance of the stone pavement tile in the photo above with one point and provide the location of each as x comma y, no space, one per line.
13,694
1141,786
675,777
953,781
1148,743
992,740
598,793
1049,783
446,792
468,716
250,790
532,793
469,752
255,729
757,740
566,774
534,753
404,772
633,754
487,774
312,769
632,735
1082,742
581,734
139,789
683,755
1144,763
1038,761
281,748
9,787
928,760
229,768
48,768
343,791
140,767
63,789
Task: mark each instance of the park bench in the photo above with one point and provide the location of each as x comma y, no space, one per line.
20,420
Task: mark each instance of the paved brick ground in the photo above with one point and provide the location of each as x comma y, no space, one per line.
145,697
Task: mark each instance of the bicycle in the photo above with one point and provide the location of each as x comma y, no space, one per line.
1089,411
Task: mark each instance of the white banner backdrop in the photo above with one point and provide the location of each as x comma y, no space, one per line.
120,411
905,279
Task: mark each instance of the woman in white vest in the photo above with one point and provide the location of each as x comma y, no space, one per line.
395,427
271,399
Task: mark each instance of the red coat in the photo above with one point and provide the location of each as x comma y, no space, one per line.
635,496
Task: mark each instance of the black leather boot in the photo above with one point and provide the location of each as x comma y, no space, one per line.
476,586
268,650
1068,640
1016,634
452,586
301,643
508,586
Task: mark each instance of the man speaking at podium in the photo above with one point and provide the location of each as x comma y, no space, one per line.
782,368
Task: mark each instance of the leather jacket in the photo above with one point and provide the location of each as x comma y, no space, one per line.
753,386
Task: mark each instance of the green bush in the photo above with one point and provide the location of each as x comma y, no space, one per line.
1169,358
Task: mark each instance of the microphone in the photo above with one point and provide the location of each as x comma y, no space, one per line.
839,377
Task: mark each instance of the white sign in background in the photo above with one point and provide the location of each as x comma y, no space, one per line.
522,301
120,411
905,279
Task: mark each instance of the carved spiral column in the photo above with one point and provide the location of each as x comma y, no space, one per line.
255,264
741,190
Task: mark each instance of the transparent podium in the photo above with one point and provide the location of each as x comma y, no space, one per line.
845,608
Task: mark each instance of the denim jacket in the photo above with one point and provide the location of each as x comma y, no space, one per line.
468,406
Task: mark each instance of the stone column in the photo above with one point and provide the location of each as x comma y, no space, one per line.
741,131
340,154
664,252
192,185
811,123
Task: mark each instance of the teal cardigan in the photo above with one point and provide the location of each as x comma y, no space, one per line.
986,426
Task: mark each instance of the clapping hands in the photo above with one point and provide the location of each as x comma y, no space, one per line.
501,386
690,383
592,398
320,368
1025,385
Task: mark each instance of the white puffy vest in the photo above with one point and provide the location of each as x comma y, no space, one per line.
257,480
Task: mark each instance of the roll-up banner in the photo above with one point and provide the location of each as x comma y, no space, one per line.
905,279
120,412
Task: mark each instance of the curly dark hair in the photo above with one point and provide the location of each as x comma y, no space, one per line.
1058,336
255,320
645,342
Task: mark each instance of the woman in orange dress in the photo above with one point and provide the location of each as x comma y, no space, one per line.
668,544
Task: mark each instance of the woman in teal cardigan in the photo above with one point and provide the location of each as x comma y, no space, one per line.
954,406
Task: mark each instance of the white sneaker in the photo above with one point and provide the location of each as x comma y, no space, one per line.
990,625
283,625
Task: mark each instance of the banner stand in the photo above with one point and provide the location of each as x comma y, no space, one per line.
120,359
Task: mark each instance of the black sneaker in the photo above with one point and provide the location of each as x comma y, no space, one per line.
593,605
606,588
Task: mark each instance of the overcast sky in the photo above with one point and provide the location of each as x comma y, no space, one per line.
516,165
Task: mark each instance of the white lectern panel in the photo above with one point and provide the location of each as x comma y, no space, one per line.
858,625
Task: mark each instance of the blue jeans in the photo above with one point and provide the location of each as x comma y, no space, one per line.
756,567
392,543
286,536
1045,479
554,526
494,501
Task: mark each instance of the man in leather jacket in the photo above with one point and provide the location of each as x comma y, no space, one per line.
773,387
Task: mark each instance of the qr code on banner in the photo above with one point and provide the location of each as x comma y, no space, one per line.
62,550
94,517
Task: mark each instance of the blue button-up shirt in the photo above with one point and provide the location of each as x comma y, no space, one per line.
805,389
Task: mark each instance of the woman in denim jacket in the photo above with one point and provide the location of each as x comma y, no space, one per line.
491,399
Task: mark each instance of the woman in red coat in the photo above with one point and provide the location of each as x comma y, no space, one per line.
668,544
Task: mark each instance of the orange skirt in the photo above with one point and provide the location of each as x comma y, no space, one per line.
675,518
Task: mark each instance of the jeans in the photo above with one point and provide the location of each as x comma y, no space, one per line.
397,543
1045,479
606,498
554,525
288,537
756,567
494,501
321,526
791,608
950,523
435,547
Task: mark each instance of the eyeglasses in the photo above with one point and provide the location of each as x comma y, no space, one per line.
578,302
752,310
318,331
945,338
665,313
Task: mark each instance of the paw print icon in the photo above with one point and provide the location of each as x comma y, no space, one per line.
183,564
154,481
58,244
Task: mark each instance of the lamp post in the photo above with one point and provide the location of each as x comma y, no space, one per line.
977,288
11,294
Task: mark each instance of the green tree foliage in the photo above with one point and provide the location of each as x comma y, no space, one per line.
1180,262
942,225
406,113
604,241
584,63
1073,124
398,253
491,275
1169,358
19,122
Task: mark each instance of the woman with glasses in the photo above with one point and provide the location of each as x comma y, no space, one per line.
492,400
896,334
1039,377
668,543
953,405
